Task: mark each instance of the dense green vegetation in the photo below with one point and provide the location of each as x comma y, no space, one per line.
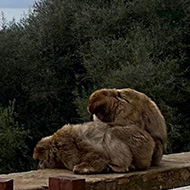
53,60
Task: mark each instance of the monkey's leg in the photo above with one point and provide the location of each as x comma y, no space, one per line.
117,168
142,164
120,155
92,162
158,152
142,157
121,164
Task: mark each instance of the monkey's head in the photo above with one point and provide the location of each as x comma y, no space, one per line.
41,152
107,104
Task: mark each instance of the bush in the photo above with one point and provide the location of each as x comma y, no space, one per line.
12,139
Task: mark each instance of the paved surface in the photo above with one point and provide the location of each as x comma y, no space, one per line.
174,171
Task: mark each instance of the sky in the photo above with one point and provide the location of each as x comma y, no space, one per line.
15,8
16,3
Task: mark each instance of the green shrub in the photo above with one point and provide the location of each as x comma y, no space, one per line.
12,140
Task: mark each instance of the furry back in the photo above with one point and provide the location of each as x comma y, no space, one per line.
95,147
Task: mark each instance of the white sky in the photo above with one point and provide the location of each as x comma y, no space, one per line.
16,3
15,8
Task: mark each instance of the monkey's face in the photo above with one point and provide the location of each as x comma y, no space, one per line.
108,105
103,114
43,164
100,103
41,152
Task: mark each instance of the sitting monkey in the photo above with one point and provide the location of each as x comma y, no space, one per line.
94,147
129,107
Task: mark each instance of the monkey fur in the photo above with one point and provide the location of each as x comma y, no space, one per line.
129,107
96,147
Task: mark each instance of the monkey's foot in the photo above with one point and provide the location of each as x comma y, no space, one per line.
83,169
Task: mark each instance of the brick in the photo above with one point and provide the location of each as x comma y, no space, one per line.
6,184
66,183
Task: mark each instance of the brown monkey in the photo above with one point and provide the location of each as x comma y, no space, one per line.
94,147
126,107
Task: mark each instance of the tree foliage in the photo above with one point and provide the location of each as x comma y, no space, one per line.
13,152
54,59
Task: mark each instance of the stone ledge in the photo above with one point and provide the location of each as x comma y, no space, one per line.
174,171
183,188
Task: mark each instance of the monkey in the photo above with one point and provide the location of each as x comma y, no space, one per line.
96,147
129,107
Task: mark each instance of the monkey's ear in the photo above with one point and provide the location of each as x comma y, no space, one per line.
93,107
